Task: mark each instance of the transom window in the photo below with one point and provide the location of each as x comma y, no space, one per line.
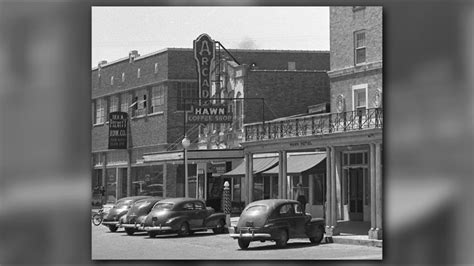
359,97
359,47
126,100
187,94
140,103
158,97
114,103
100,105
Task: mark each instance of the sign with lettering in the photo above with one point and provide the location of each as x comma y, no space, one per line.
300,143
118,122
209,114
204,53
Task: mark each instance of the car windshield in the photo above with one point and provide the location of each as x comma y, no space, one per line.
256,209
142,203
122,204
163,206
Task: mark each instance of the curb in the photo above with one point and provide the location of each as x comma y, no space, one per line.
352,241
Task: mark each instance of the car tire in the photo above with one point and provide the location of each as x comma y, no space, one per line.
130,231
283,239
318,238
151,234
244,244
220,229
113,228
184,229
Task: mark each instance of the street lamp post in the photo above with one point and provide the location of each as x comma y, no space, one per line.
186,143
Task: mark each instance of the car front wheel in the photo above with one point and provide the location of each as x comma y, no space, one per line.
130,231
220,229
318,237
183,229
113,228
151,234
244,244
282,241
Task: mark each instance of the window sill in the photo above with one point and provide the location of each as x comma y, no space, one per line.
156,113
98,124
138,117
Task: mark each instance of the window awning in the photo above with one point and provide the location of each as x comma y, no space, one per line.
259,165
298,163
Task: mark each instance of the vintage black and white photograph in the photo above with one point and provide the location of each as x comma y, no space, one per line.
237,133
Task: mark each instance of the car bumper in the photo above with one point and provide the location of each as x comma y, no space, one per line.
134,226
251,236
110,223
158,228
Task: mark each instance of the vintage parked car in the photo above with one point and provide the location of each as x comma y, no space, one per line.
183,216
136,215
276,220
120,208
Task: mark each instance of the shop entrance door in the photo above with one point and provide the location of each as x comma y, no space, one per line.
356,192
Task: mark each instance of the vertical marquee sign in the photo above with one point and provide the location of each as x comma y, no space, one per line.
204,53
118,130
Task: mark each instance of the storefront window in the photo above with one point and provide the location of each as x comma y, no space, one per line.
318,190
258,189
148,180
111,195
274,191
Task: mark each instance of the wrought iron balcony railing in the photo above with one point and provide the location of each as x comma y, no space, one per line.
311,125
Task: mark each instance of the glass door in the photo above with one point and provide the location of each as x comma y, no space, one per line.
356,192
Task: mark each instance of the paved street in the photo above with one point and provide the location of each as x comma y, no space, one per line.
206,245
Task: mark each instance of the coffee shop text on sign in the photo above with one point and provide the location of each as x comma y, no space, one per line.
204,54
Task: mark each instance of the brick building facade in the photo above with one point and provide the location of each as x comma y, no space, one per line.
349,137
151,88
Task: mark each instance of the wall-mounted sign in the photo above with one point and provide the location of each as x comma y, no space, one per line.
204,53
340,103
300,143
118,122
378,98
209,114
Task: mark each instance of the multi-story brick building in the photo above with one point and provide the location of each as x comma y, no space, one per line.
351,135
356,90
152,90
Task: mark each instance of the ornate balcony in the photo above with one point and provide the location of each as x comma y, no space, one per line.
312,125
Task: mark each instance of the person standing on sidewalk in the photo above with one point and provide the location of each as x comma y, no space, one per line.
301,197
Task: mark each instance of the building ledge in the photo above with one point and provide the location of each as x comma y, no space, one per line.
355,69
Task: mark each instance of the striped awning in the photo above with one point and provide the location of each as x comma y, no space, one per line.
298,163
259,165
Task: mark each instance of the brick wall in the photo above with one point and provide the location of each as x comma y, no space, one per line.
272,60
343,23
146,65
144,131
343,85
286,93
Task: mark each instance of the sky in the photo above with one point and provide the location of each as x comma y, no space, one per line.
118,30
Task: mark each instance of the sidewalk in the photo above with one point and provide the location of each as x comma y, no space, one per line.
355,237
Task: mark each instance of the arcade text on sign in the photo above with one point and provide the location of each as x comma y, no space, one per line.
204,53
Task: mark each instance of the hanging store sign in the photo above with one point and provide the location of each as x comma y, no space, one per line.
209,114
204,53
118,130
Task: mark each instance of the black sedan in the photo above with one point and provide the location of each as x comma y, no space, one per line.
276,220
183,216
118,210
